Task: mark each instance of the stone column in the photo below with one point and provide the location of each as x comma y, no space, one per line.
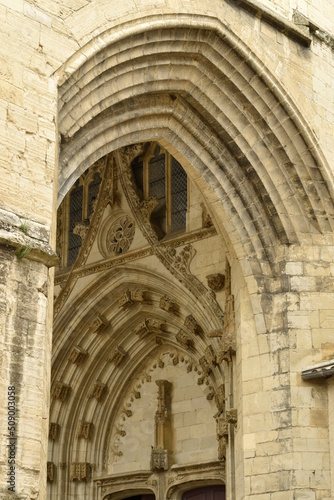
26,284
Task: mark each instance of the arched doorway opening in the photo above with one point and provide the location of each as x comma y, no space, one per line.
205,493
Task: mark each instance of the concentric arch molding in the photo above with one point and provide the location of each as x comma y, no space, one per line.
256,162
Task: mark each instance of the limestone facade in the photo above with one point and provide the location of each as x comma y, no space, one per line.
137,355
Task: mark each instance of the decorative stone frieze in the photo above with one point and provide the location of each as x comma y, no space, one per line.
84,430
53,431
50,472
216,281
117,356
191,324
100,324
80,471
77,355
61,391
98,391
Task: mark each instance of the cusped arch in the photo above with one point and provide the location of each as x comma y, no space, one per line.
194,85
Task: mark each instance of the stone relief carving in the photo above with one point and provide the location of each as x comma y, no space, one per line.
120,235
53,431
100,324
206,217
232,416
130,297
216,281
81,229
117,356
226,347
160,459
105,167
210,355
222,436
184,339
80,471
191,324
220,398
98,391
61,391
205,365
50,472
84,430
77,355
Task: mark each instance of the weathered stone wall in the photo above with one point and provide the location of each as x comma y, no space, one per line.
285,322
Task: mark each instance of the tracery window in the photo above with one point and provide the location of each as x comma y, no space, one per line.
157,173
74,214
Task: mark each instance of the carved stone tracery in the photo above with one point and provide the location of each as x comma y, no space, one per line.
100,324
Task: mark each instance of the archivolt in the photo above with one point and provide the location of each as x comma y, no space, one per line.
192,84
73,329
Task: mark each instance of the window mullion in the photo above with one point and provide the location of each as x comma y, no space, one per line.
168,190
